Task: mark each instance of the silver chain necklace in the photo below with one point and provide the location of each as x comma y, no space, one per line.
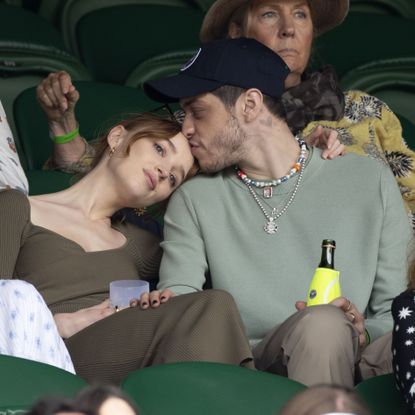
271,226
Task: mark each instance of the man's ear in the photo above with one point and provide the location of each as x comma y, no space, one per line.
252,102
116,136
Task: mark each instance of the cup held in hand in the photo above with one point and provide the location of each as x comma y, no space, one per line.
123,291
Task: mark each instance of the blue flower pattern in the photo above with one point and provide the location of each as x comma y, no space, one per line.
27,327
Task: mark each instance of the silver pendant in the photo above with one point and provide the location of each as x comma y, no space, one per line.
267,192
270,227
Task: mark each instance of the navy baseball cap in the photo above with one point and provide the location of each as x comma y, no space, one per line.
242,62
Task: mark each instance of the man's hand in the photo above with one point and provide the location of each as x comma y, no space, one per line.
153,299
327,140
351,312
70,323
57,96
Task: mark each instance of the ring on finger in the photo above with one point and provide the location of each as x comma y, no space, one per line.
353,317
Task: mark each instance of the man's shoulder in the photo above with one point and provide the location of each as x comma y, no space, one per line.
355,164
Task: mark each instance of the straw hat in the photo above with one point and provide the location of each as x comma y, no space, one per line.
326,15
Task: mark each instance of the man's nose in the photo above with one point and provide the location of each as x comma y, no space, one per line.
188,128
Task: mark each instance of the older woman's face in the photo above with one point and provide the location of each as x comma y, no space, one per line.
285,26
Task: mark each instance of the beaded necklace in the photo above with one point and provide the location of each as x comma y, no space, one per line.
267,185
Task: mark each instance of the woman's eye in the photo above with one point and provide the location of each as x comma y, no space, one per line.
269,14
173,180
301,14
159,148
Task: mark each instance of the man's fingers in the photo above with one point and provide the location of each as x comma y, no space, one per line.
300,305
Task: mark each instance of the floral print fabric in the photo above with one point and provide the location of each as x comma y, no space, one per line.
11,173
370,128
27,327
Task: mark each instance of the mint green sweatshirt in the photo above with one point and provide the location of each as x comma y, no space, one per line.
214,225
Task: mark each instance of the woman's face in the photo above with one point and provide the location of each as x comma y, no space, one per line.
285,26
152,170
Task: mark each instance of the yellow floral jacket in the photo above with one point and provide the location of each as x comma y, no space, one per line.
370,128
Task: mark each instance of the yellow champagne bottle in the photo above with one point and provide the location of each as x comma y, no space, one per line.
325,285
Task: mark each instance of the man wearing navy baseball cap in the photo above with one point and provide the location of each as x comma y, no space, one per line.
256,222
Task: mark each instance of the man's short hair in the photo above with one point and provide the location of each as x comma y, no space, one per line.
229,94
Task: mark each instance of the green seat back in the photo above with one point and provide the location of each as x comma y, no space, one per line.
391,80
133,30
404,8
408,131
381,395
363,38
204,388
166,64
30,48
22,382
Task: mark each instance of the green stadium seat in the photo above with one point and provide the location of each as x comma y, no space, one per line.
100,106
112,37
204,4
166,64
381,395
391,80
30,48
362,38
204,388
403,8
23,382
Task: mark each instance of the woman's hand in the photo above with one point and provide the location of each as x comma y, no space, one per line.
153,299
70,323
327,140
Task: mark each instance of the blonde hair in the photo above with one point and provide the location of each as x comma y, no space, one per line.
323,399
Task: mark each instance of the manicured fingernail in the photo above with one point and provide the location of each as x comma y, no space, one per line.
162,298
154,302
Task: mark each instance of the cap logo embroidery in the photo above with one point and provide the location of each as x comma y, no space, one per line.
191,61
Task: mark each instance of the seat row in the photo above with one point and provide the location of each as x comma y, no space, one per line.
185,388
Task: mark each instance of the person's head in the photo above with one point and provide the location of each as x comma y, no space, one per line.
93,400
286,26
105,400
148,158
324,400
229,86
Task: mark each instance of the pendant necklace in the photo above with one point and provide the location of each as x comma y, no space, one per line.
267,185
271,226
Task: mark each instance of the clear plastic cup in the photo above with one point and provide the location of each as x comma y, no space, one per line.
123,291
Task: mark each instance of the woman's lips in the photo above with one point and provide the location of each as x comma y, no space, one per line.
150,179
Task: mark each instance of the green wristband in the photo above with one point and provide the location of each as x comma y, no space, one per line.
62,139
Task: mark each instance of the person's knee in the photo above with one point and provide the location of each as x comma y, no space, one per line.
324,326
218,297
